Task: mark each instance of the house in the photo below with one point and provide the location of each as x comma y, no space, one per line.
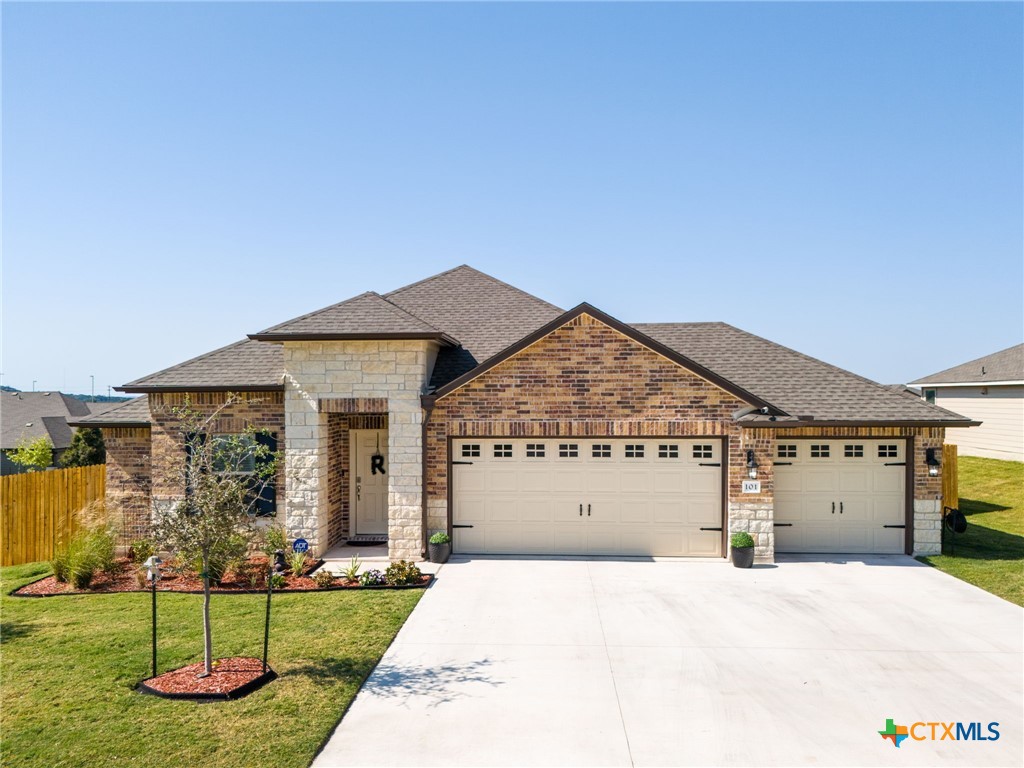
460,403
31,415
989,390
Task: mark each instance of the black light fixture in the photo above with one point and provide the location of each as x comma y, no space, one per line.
751,464
932,461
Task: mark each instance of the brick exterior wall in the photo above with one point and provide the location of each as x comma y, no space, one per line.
262,410
130,479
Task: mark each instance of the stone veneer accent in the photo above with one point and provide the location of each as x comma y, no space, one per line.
392,373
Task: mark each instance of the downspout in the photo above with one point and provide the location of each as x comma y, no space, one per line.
427,401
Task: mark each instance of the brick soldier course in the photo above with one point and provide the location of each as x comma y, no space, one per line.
461,355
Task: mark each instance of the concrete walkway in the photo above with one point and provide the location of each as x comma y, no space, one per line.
598,662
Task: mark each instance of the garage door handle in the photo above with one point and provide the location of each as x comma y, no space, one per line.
462,462
833,507
710,464
581,510
783,525
588,510
840,507
895,464
782,463
711,529
461,526
894,526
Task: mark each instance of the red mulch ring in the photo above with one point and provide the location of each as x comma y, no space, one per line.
124,579
231,678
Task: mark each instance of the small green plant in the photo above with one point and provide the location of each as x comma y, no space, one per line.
323,579
402,572
59,563
278,581
273,538
252,573
372,578
352,572
33,455
741,540
141,550
297,562
440,538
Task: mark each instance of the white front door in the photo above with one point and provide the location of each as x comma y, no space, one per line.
844,495
594,496
369,452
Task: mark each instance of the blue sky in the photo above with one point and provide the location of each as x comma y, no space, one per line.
842,179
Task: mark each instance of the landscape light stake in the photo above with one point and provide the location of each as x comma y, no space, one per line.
266,626
153,573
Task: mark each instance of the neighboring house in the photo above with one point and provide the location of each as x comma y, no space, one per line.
989,390
33,415
460,403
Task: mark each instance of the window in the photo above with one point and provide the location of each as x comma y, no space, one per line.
470,451
601,451
502,451
568,450
702,451
634,451
887,451
535,450
668,451
929,396
819,451
853,451
241,455
786,451
234,454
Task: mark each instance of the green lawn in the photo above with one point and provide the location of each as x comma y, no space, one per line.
70,664
991,553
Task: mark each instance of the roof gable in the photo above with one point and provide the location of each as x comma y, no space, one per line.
623,329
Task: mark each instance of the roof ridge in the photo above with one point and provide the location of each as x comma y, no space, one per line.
186,362
476,271
413,315
833,367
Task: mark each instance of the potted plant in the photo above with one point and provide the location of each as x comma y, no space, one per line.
439,547
742,549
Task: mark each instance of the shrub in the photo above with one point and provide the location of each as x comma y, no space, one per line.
272,539
440,538
323,579
103,543
252,573
223,557
372,578
91,549
352,572
402,572
278,581
141,550
85,450
741,540
59,563
82,560
297,562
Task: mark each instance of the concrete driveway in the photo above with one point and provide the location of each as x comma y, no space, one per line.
601,662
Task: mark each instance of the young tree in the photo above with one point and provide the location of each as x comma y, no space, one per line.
86,449
33,454
224,477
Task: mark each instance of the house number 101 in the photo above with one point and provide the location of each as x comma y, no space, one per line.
751,486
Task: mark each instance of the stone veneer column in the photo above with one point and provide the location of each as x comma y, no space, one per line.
393,370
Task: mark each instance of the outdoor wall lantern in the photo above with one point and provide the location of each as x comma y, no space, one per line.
932,461
751,464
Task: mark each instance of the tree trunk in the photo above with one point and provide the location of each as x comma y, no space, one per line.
207,634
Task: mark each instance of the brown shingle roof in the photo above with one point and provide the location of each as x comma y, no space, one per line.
246,364
483,313
130,413
798,384
368,315
1005,365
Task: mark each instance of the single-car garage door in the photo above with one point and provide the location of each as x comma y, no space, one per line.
597,496
843,496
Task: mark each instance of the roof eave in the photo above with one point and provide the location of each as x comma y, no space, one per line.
804,423
143,388
978,383
400,336
110,424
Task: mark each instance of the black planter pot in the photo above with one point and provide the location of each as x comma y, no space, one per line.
439,553
742,557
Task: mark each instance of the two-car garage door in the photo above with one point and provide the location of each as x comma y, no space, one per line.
653,496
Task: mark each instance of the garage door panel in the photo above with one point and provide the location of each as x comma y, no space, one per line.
867,494
644,499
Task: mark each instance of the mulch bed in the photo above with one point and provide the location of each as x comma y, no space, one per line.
231,678
124,580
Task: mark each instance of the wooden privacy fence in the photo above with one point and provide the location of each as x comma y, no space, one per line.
37,509
950,485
